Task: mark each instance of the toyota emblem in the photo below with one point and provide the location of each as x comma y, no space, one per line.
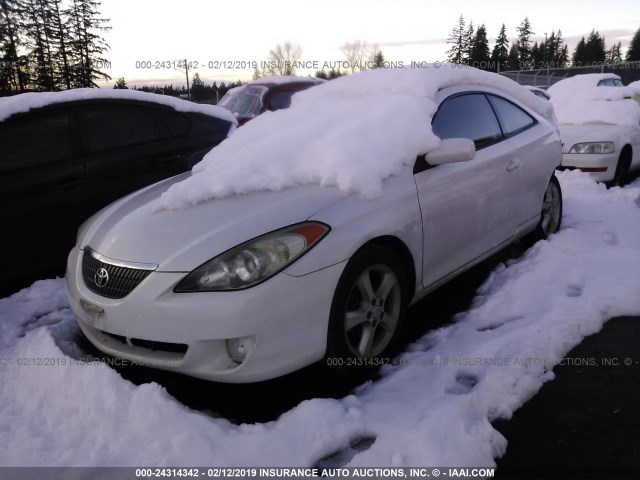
101,278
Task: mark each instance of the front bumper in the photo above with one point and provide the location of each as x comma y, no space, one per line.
283,322
606,162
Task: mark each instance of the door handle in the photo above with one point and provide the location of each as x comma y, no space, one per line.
513,164
170,159
68,185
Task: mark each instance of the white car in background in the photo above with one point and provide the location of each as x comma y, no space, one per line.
308,233
599,125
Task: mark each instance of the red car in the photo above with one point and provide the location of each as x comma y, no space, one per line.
264,94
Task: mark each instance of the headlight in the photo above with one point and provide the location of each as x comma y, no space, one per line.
593,147
254,261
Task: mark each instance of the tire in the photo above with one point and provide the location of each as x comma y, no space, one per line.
622,169
550,214
367,312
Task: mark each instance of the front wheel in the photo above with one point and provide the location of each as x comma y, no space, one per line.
551,212
367,312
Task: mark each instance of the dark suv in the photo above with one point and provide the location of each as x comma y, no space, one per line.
65,160
264,94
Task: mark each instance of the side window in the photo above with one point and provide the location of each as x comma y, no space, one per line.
281,100
112,127
512,118
172,124
215,128
35,139
467,116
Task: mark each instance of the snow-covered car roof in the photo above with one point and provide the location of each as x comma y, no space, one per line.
27,101
579,100
351,132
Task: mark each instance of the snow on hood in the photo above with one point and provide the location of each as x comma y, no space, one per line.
26,101
352,132
579,100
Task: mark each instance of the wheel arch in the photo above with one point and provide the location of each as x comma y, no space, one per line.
398,247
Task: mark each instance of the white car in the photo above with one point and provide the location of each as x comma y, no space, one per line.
254,284
599,125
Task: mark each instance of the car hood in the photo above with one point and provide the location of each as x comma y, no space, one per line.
572,134
135,229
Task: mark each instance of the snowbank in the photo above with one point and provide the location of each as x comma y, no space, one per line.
27,101
433,407
351,132
579,101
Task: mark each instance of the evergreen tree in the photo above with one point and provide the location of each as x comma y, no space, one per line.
614,54
36,27
500,52
378,60
457,41
469,37
555,50
12,75
480,56
524,41
580,53
197,88
86,46
513,62
120,84
537,56
322,74
633,52
595,51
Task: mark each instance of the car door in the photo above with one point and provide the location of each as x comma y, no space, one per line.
466,209
42,189
529,173
127,147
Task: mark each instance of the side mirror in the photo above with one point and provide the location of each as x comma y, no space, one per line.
452,150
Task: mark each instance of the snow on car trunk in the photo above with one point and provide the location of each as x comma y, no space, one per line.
434,406
352,132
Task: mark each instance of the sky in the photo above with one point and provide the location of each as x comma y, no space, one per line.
225,39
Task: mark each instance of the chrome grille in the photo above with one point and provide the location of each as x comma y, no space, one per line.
120,279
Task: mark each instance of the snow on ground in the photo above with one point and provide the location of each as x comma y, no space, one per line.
579,101
26,101
351,132
433,408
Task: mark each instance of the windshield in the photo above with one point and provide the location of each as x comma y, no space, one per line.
243,102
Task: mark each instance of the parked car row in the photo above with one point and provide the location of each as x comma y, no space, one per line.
196,273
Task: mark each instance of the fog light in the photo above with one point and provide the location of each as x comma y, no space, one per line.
237,348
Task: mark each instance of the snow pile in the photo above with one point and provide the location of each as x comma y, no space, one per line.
26,101
579,101
352,132
432,408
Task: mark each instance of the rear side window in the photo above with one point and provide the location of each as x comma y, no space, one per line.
106,128
512,118
213,127
281,100
35,139
467,116
172,124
